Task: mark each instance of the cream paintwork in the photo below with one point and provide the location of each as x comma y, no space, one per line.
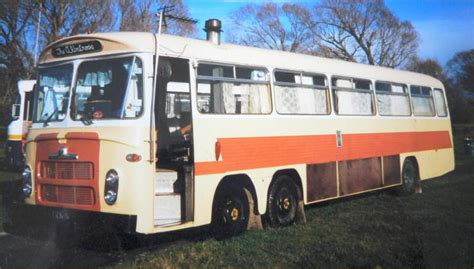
118,138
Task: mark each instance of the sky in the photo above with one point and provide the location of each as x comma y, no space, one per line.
445,27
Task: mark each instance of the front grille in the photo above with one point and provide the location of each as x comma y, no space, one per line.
68,194
67,170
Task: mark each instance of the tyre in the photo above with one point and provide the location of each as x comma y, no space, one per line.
409,177
231,212
282,202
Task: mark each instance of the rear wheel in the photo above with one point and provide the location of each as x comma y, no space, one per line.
231,212
409,177
282,202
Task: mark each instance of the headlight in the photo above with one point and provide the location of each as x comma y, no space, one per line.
27,189
111,187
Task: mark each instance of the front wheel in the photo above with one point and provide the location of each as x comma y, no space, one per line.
282,202
231,212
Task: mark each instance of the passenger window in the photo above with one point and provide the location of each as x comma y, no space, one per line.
245,92
362,84
422,101
210,70
299,93
352,96
383,87
392,99
440,103
250,73
286,77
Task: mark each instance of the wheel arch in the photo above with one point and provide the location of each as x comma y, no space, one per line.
237,181
294,175
415,162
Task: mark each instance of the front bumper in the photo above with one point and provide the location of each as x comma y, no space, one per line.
23,219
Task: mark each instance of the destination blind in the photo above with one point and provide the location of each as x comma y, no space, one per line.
76,49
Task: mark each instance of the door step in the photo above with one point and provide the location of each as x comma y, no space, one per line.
165,181
167,200
167,209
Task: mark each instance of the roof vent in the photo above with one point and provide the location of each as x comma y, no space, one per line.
213,30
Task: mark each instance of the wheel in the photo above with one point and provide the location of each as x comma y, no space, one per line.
231,212
282,202
409,177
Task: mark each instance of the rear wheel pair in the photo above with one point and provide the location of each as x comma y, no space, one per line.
231,207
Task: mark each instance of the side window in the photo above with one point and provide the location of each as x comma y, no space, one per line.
441,108
225,89
352,96
422,101
301,93
392,99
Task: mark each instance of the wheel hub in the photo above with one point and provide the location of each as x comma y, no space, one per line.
234,214
286,203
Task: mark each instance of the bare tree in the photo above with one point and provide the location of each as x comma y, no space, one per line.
16,61
141,16
273,26
363,31
61,18
136,15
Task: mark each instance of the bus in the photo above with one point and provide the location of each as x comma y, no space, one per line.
21,115
161,133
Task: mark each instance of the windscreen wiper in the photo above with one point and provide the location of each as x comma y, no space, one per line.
50,117
86,120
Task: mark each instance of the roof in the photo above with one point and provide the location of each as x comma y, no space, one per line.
202,50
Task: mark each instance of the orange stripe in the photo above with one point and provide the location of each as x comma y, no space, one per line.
259,152
14,137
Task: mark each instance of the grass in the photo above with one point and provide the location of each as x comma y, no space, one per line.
435,229
5,178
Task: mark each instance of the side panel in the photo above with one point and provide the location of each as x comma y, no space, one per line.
322,181
391,170
360,175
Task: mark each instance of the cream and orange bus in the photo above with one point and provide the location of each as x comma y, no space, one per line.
221,134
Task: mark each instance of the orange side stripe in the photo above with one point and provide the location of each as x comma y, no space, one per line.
260,152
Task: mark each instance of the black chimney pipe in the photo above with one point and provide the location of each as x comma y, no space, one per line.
213,29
